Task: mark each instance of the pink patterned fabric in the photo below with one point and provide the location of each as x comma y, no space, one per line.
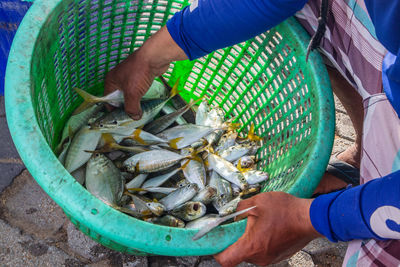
351,46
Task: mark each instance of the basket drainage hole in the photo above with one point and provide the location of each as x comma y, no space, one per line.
94,211
168,238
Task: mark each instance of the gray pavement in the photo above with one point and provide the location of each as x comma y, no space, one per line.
35,232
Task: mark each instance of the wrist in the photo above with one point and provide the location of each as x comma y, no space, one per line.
160,50
305,219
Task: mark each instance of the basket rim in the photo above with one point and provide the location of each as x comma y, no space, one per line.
93,213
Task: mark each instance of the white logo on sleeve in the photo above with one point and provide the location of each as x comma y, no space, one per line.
379,219
194,5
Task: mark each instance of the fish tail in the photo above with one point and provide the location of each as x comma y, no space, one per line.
194,156
174,90
136,136
89,100
252,136
184,165
173,143
86,96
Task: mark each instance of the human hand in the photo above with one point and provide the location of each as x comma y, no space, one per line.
276,229
135,74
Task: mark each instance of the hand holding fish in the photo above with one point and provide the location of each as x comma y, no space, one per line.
136,73
276,229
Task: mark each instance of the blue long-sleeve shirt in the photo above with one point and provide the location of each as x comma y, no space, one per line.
371,210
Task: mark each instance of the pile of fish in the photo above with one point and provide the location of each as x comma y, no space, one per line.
161,169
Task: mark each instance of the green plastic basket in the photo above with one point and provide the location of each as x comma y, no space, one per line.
266,81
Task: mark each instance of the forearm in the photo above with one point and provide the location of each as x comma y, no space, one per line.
368,211
208,25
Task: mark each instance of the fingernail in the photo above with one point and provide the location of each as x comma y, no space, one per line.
135,116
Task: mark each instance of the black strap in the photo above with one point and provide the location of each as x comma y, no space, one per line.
320,32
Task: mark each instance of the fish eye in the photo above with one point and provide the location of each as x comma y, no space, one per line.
148,204
101,125
97,154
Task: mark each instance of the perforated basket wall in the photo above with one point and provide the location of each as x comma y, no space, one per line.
264,81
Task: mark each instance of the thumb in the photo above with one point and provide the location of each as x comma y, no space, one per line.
236,253
132,105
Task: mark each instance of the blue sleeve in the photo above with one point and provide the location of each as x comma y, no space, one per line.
385,15
367,211
208,25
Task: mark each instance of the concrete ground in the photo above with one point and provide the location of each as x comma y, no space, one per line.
35,232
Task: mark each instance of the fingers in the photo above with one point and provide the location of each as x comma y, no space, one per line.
132,105
244,204
235,253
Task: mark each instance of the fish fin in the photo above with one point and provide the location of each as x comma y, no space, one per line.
86,96
89,100
137,167
185,165
134,189
136,136
249,191
174,90
251,135
70,132
173,143
194,157
232,126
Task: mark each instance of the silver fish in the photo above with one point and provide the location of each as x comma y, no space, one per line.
167,220
156,91
215,118
202,112
179,196
118,117
189,134
201,222
212,223
255,176
104,180
245,162
189,211
137,181
145,138
194,170
229,207
227,140
162,123
116,98
234,153
162,190
157,208
227,170
142,205
168,109
79,174
223,187
182,183
159,180
206,195
84,140
153,161
64,152
75,122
